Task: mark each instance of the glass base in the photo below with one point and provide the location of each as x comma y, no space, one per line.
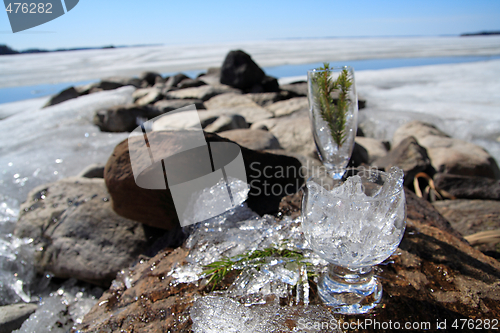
350,291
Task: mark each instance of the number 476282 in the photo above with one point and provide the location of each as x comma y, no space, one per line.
31,8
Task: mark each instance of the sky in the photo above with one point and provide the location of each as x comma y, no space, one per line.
95,23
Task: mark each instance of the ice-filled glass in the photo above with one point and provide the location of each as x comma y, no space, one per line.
333,105
354,225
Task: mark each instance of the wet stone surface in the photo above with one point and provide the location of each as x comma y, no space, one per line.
433,276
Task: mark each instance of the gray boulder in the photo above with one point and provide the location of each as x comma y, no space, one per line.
63,96
79,234
123,118
449,155
12,316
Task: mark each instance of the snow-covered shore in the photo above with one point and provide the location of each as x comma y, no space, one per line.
73,66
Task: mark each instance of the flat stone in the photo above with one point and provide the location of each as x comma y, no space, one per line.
289,106
141,92
470,216
227,123
473,216
230,100
167,105
80,235
251,114
151,97
204,92
293,133
13,316
299,88
252,139
267,98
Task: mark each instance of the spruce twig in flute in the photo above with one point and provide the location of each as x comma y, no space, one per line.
334,114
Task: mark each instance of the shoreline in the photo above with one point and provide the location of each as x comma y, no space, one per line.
57,67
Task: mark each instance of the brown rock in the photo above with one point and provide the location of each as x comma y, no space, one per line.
375,148
204,92
433,277
227,123
156,208
409,156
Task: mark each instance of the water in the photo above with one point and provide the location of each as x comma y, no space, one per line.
374,64
14,94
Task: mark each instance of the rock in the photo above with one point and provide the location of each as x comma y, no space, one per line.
173,81
110,83
468,187
230,100
92,171
115,82
293,133
252,139
376,149
299,88
156,208
470,216
434,276
141,92
204,92
289,106
409,156
151,97
166,105
212,76
12,316
251,114
240,71
150,77
449,155
63,96
226,123
189,83
268,84
80,235
267,98
359,156
123,118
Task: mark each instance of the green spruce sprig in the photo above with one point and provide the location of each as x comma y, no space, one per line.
219,269
334,114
